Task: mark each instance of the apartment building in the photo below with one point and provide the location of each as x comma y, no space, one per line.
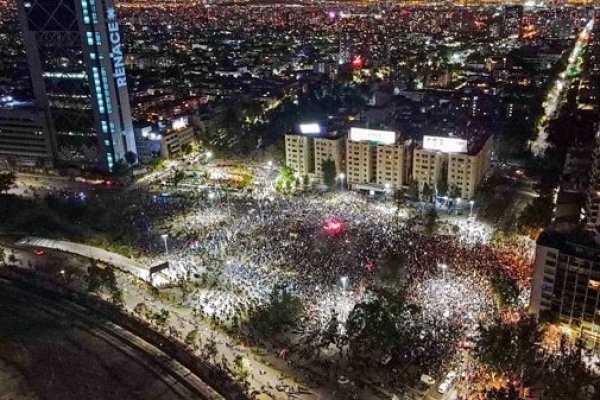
24,138
176,137
566,281
377,160
466,171
461,163
299,154
427,167
328,148
305,153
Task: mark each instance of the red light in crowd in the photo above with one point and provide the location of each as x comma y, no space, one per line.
334,227
358,62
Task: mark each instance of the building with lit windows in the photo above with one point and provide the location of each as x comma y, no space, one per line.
466,171
299,154
176,137
513,20
377,160
24,138
427,167
328,148
566,281
460,163
77,69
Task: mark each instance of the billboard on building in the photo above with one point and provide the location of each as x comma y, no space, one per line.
372,135
180,123
445,144
310,129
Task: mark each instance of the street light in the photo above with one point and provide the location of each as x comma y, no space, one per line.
471,203
344,281
443,267
342,176
165,237
388,189
209,155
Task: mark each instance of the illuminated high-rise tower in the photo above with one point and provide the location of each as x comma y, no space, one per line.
77,69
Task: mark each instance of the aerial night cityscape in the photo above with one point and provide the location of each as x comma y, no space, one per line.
299,199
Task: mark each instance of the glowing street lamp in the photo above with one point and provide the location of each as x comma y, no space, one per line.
444,267
344,281
208,155
341,176
165,237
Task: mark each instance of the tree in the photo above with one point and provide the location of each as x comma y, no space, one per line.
178,176
537,214
376,329
329,172
7,180
186,149
210,351
131,158
509,347
94,277
162,318
101,278
427,192
241,367
305,180
399,199
281,311
413,190
569,376
192,338
431,223
286,179
505,289
119,297
442,183
142,310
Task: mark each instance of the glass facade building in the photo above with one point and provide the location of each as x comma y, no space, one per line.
77,69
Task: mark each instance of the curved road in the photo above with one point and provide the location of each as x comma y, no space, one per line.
60,352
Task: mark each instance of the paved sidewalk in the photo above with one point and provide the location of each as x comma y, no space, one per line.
114,259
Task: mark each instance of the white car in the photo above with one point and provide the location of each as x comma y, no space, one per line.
428,380
445,385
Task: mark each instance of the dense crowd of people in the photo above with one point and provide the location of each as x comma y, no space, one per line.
331,251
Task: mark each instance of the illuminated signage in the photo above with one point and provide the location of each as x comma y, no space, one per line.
180,123
310,129
445,144
372,135
117,49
